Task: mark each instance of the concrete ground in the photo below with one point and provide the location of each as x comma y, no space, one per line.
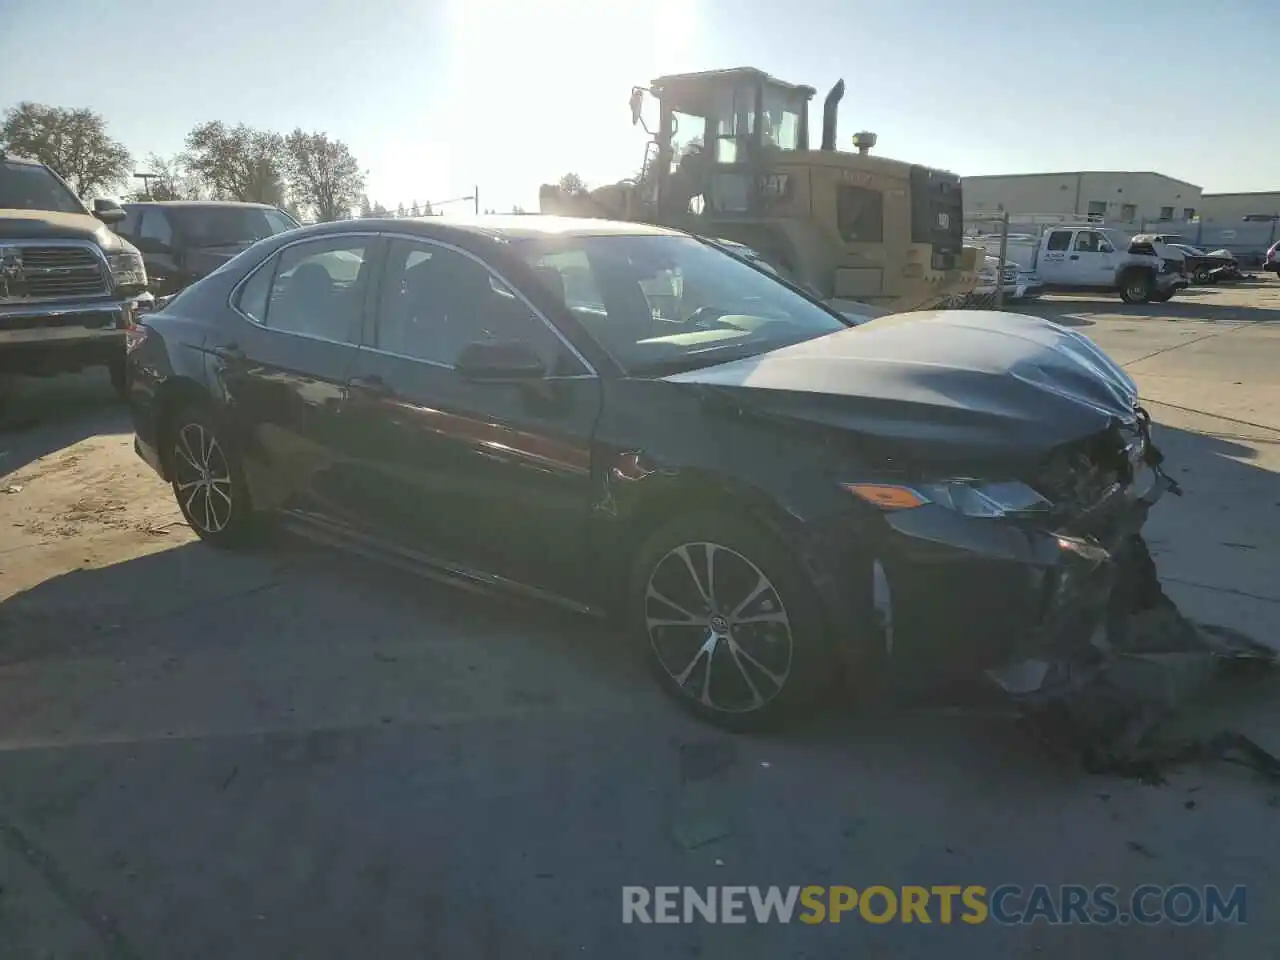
291,753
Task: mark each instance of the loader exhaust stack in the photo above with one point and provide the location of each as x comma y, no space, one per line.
829,115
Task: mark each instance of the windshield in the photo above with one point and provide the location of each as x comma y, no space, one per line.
228,226
29,186
666,303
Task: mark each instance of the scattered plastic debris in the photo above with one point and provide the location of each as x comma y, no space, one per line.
1109,705
13,488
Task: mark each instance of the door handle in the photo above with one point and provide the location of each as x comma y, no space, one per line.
1075,256
229,351
370,383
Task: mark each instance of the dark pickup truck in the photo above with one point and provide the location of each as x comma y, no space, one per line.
70,289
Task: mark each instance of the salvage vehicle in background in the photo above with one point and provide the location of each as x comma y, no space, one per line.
183,240
627,420
1140,268
69,287
1271,262
732,157
1204,267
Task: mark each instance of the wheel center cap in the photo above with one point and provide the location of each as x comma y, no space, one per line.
719,624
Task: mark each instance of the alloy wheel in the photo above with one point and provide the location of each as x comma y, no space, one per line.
718,627
202,478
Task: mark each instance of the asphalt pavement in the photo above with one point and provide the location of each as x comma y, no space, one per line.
291,753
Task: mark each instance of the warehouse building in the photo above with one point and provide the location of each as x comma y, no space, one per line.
1118,196
1240,206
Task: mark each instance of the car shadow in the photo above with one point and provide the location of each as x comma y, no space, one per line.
41,415
300,601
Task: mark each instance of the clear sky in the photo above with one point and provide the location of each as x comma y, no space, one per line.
434,96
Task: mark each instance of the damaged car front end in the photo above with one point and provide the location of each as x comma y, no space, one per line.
1001,469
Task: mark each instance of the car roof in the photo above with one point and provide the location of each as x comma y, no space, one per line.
197,204
515,226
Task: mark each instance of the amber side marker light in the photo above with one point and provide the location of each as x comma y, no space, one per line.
887,496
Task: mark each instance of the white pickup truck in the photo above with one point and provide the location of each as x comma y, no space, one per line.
1140,268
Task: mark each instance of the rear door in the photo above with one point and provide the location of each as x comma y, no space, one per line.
283,362
1054,266
494,476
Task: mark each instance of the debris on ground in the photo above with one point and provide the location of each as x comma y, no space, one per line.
1110,705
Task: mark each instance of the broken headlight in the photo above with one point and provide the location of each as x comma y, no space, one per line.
972,498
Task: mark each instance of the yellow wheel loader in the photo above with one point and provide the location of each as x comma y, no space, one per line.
731,160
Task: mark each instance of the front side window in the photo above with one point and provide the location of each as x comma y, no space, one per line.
860,214
314,289
154,232
29,186
436,300
129,225
669,302
1086,242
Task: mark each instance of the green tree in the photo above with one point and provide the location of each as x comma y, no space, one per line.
323,173
73,142
239,163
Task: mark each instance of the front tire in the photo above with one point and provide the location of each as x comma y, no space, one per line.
208,481
1202,275
1135,287
729,622
1162,296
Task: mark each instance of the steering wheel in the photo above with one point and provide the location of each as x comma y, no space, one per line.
703,317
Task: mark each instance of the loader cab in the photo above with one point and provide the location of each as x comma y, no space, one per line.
717,132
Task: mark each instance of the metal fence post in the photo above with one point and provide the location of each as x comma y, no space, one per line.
1004,249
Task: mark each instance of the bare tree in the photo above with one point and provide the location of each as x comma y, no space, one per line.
324,174
238,163
73,142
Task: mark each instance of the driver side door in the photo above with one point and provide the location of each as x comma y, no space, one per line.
491,476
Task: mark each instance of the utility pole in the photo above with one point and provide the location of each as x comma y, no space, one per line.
1004,250
475,193
146,179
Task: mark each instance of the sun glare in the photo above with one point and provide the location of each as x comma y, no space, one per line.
541,89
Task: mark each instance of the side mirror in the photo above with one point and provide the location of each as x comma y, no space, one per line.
108,211
637,102
500,360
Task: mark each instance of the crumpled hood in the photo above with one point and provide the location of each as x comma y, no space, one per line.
49,225
939,385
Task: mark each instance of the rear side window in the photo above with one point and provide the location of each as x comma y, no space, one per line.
1060,240
252,301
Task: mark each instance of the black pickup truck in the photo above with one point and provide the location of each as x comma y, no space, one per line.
70,289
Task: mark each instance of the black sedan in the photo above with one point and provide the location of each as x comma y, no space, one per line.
626,420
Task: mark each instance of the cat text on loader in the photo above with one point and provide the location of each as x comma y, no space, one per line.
731,160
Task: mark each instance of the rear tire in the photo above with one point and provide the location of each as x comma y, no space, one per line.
729,622
1202,275
1162,296
1135,287
208,480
